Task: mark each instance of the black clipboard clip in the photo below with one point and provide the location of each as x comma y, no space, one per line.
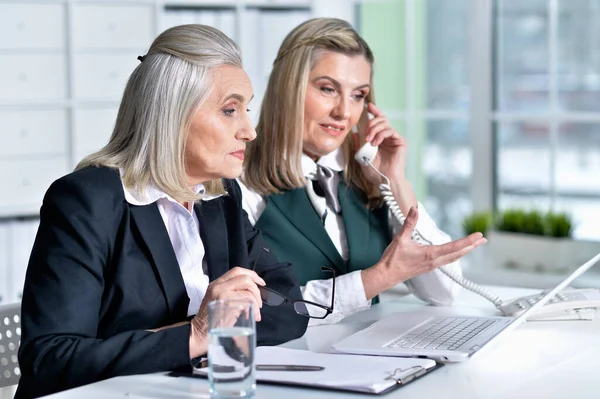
413,372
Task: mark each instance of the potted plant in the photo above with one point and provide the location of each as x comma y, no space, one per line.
559,225
536,241
477,222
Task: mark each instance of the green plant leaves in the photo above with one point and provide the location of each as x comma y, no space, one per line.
477,222
552,224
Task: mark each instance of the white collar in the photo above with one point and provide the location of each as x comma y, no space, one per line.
334,160
153,194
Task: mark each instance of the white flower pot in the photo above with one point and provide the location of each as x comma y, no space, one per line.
539,253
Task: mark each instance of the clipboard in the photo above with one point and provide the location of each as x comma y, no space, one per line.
373,375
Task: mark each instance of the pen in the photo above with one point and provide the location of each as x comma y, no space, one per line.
265,367
287,367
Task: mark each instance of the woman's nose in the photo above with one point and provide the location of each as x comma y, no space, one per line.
247,132
342,110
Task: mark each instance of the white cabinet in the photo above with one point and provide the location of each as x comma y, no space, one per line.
101,76
32,133
93,128
4,259
100,26
16,242
223,19
22,236
32,53
28,180
32,77
24,26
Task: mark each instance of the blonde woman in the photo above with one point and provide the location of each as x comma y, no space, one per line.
135,243
320,85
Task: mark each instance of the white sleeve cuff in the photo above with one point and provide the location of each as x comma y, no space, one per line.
349,298
435,287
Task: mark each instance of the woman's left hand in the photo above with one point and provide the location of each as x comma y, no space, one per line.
392,152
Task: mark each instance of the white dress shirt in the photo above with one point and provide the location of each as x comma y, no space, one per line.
184,232
433,287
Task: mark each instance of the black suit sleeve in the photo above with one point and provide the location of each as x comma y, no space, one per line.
278,324
63,295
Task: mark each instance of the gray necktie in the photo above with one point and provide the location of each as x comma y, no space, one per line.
325,179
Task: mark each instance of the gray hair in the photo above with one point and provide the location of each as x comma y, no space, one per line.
161,95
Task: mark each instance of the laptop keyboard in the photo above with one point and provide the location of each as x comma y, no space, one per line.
447,333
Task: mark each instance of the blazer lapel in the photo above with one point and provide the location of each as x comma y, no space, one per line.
293,205
361,225
153,232
214,236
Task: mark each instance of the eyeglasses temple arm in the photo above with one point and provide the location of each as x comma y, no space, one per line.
329,269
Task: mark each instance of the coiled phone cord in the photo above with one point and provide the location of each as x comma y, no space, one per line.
390,200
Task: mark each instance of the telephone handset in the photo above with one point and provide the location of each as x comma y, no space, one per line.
367,151
569,304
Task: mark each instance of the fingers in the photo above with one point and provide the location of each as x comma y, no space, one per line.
376,125
440,255
245,296
409,225
379,130
237,283
242,283
382,132
233,295
240,271
219,289
455,246
374,110
454,256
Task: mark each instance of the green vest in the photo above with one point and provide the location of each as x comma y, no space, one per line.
295,233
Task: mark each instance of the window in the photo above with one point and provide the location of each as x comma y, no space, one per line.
421,83
498,99
547,108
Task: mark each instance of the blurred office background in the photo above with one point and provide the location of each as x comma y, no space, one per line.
499,99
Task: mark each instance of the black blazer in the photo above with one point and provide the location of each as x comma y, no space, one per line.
102,272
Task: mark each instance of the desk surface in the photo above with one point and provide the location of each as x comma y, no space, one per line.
538,360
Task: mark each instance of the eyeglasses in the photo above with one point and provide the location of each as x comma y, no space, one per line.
302,307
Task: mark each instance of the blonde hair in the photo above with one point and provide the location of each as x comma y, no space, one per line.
273,159
161,95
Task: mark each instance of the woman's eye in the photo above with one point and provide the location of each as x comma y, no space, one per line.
359,97
229,111
328,90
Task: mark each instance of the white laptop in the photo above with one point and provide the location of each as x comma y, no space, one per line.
442,338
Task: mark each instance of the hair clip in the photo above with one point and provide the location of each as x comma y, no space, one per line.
141,58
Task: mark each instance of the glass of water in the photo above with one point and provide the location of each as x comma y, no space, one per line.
231,344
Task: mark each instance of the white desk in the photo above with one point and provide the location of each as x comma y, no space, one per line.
538,360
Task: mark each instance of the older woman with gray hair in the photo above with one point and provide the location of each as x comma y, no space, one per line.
134,244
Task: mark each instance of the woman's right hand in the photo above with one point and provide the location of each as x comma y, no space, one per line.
404,259
237,283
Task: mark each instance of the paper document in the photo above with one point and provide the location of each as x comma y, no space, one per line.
369,374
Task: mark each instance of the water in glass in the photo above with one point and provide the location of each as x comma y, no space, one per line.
231,358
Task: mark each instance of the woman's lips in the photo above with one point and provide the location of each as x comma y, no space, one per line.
334,131
238,154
